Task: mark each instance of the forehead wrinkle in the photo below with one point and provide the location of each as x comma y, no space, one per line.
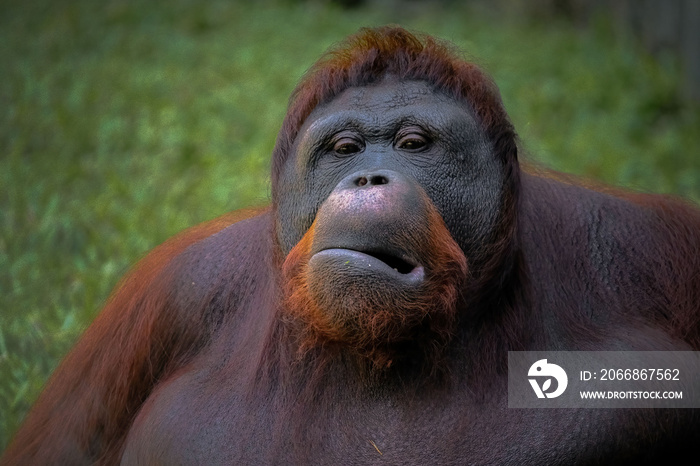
378,98
405,95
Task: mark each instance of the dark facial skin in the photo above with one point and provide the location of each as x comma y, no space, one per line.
404,127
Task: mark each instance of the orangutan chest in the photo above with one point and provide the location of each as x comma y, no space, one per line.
194,421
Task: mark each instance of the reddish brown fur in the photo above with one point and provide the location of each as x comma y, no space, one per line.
99,387
677,253
378,323
680,257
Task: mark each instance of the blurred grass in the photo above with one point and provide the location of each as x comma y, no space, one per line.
123,122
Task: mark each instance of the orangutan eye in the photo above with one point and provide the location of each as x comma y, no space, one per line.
412,142
347,146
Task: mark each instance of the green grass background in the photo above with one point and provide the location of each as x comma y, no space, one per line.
123,122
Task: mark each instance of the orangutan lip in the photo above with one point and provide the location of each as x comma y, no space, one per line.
380,261
400,265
